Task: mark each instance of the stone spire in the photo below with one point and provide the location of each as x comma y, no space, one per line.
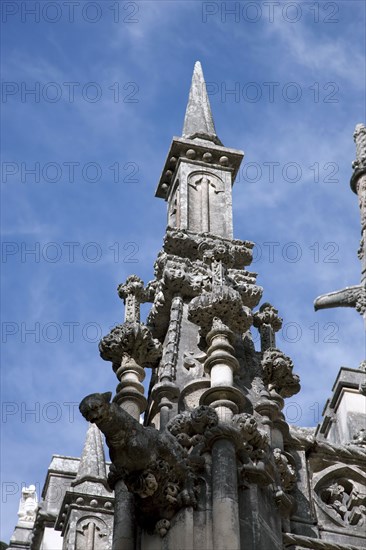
92,462
85,518
354,296
198,121
199,172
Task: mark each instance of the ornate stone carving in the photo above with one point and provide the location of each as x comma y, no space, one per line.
132,339
360,141
224,303
361,301
28,504
267,321
249,292
133,294
340,493
195,246
91,533
267,315
277,373
359,438
285,469
169,359
154,465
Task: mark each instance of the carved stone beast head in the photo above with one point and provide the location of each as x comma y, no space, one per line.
95,407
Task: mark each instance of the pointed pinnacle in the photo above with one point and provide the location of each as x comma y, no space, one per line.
92,462
198,120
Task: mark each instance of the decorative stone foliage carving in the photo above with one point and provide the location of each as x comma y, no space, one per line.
224,303
361,301
267,315
197,246
267,321
277,373
132,339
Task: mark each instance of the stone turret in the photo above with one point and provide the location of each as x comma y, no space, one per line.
85,518
199,171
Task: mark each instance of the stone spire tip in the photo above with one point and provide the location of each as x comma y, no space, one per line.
198,120
92,463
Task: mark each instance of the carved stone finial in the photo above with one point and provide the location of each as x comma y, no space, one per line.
130,347
268,323
133,294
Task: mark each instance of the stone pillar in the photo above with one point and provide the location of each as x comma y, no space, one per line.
130,391
124,518
225,510
227,401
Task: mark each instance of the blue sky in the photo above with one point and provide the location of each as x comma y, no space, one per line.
111,83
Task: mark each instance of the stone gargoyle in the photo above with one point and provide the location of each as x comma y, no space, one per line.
153,465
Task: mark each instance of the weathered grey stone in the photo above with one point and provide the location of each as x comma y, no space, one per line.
215,465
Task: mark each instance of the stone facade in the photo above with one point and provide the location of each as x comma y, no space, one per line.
214,466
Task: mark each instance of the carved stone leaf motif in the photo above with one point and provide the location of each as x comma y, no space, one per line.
267,315
133,339
133,285
223,303
277,373
195,246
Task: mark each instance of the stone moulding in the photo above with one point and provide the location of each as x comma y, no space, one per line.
299,541
301,439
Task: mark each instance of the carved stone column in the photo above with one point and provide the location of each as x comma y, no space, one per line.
213,311
130,347
165,391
